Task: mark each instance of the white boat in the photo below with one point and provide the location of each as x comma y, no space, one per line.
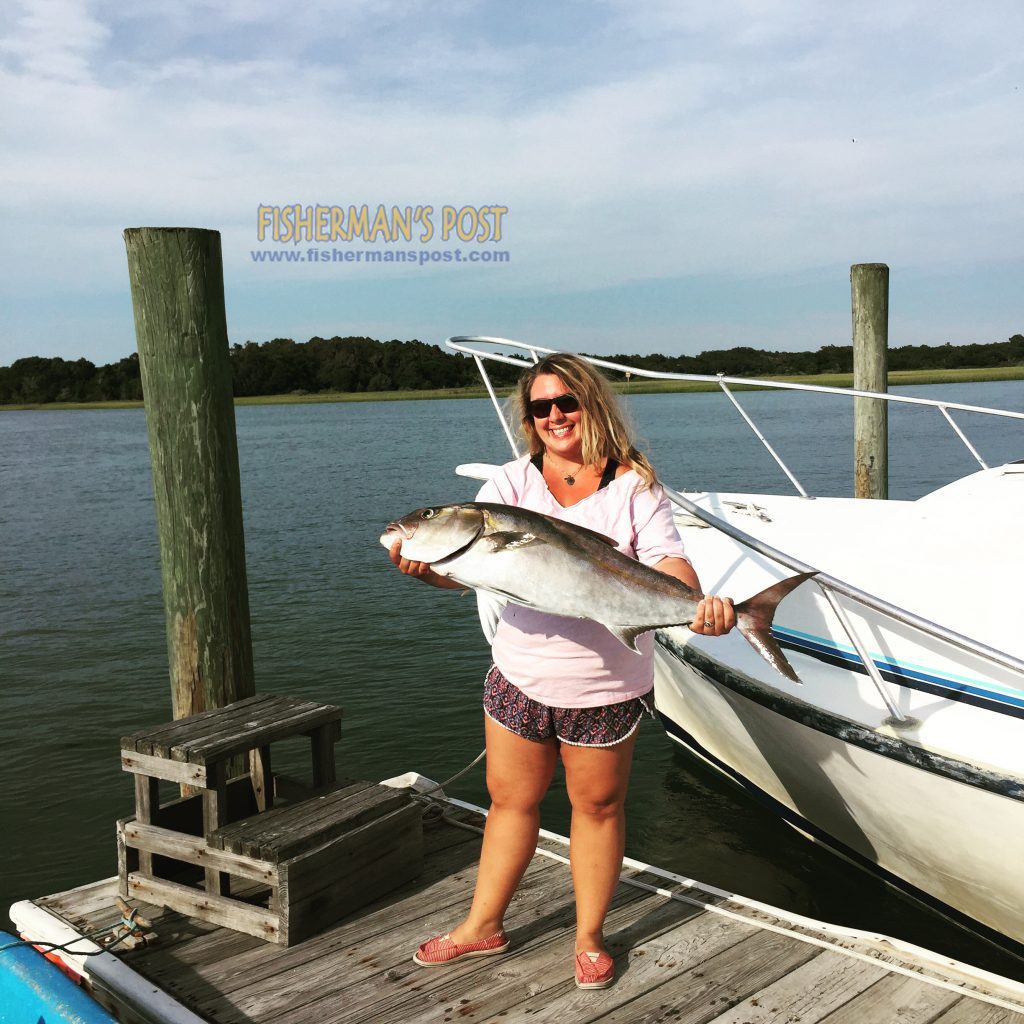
902,745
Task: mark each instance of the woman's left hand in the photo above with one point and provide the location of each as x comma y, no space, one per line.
714,616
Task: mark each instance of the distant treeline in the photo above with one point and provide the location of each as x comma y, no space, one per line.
283,366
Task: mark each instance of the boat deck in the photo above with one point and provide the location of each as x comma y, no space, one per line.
692,956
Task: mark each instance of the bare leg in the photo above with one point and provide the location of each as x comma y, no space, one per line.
597,779
519,772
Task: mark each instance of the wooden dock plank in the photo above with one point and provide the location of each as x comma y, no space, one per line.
189,951
896,999
694,993
688,994
89,905
971,1011
532,954
807,994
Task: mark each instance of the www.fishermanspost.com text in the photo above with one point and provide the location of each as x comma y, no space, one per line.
419,257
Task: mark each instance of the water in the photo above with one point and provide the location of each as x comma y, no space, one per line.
82,645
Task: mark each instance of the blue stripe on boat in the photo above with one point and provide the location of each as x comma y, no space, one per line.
952,688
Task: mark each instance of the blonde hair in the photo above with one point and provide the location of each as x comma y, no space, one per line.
603,426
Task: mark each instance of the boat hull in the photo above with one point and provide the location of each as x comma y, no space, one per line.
935,825
33,989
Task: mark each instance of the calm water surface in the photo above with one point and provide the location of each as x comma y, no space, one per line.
82,645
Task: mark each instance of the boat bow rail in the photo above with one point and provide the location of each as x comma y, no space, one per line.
477,346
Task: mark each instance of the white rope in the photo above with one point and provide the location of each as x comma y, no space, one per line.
458,775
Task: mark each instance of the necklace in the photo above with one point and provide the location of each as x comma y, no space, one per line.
570,477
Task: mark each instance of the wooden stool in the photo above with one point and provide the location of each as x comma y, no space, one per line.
319,858
197,750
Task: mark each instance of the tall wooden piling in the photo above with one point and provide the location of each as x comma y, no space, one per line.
177,285
869,288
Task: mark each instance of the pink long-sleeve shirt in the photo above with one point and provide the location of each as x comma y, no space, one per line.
567,662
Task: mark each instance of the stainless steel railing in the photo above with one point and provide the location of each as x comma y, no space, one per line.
473,346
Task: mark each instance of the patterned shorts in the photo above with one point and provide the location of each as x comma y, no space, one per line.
602,726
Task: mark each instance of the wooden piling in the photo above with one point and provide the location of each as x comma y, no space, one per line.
869,288
177,286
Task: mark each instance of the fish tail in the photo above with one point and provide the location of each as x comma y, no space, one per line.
754,620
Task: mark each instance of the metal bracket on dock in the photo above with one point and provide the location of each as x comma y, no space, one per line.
129,933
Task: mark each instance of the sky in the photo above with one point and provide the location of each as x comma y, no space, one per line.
673,176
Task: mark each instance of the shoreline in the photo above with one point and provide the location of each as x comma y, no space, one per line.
897,378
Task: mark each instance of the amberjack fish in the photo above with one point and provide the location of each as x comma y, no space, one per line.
557,567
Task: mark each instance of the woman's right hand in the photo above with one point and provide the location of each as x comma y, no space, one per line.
714,616
420,570
406,565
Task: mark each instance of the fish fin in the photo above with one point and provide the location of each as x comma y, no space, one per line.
573,528
768,647
492,513
508,540
627,635
754,620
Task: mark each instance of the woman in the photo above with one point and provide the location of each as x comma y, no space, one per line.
561,686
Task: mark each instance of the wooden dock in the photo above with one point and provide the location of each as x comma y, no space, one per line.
684,954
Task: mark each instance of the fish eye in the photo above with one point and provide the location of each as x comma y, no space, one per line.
428,513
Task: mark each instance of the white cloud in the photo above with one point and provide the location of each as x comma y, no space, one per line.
54,39
671,139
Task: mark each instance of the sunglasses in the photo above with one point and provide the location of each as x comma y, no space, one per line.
540,408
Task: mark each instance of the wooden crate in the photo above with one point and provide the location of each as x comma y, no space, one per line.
299,868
